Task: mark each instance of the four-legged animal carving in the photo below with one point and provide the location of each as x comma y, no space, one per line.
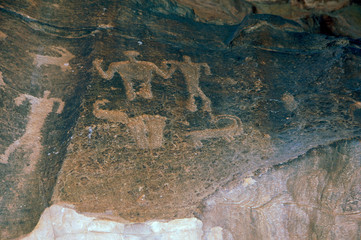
62,62
147,130
228,133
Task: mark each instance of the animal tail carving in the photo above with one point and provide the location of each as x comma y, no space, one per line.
236,123
110,115
227,132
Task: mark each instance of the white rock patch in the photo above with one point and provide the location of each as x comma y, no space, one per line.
64,223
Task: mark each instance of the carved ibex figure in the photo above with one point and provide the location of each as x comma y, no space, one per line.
62,62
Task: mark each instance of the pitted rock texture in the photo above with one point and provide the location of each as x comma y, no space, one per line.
139,109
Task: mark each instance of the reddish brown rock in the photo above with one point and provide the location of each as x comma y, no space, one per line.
180,113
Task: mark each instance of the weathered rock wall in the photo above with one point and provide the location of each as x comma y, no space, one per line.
315,196
151,113
42,83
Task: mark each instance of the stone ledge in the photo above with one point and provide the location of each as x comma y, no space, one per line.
63,222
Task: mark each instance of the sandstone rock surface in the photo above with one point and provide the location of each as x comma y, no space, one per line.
144,111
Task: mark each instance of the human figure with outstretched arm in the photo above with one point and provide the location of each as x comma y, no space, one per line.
192,73
40,108
132,70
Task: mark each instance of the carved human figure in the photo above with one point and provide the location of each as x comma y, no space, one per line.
132,70
62,61
40,108
147,130
192,72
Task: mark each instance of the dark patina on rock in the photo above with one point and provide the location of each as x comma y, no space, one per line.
155,116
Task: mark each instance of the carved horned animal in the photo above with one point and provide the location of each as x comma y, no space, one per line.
62,62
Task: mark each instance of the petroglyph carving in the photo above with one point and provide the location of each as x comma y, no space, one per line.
147,130
40,108
110,115
62,61
192,72
132,70
227,133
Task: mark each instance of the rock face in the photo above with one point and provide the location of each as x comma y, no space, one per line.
219,11
140,111
316,196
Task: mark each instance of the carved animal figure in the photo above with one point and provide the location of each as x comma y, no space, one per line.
192,73
132,70
147,130
62,62
227,133
110,115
